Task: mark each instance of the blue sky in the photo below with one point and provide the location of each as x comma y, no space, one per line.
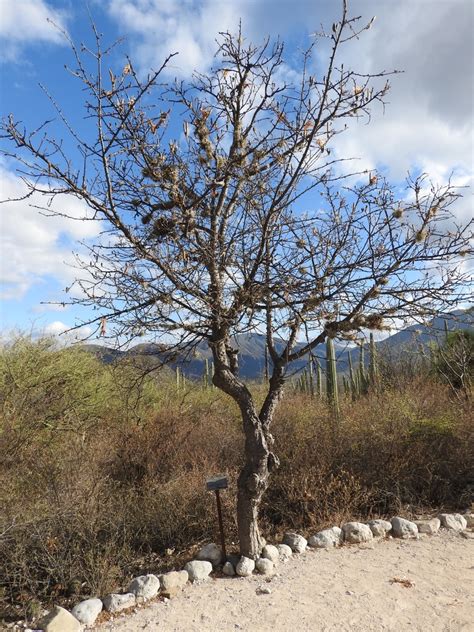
428,124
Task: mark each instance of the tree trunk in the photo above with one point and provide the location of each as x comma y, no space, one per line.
252,484
259,459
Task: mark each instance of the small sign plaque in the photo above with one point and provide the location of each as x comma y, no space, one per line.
216,482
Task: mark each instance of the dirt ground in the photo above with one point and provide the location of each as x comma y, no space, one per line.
354,588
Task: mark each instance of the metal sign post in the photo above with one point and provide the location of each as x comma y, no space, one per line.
215,484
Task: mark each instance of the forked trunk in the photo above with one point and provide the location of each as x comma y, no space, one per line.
252,484
259,459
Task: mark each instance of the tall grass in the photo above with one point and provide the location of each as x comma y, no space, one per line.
102,474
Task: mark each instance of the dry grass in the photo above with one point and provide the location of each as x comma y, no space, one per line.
82,511
390,452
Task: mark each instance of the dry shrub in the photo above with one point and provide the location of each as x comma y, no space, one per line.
84,511
391,451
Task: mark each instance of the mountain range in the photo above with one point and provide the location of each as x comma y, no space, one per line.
252,348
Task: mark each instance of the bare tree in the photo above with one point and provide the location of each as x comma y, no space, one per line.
245,220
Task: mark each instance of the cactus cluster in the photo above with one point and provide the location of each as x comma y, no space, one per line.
356,384
311,379
361,379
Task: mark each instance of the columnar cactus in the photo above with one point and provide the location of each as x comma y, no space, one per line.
319,380
346,384
207,377
373,368
354,386
311,377
331,376
363,378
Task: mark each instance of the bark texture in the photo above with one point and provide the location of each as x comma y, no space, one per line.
254,477
252,484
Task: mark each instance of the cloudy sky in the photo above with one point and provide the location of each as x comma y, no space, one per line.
428,124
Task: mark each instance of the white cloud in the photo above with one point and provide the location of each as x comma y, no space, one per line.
408,137
62,331
428,123
161,27
55,329
25,21
33,246
429,116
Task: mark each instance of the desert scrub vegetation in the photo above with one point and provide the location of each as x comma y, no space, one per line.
102,473
453,361
44,385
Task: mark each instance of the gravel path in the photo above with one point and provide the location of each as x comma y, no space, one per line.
348,589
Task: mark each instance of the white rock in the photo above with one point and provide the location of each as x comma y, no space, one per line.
296,542
212,553
144,587
326,539
356,532
284,551
264,566
228,569
59,620
245,566
469,518
430,526
271,553
402,528
380,528
87,611
116,603
198,570
455,522
173,582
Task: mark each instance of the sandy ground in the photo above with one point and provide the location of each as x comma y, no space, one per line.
343,589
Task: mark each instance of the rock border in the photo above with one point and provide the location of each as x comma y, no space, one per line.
144,588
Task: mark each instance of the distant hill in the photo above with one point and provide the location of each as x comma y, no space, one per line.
107,355
434,330
252,348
